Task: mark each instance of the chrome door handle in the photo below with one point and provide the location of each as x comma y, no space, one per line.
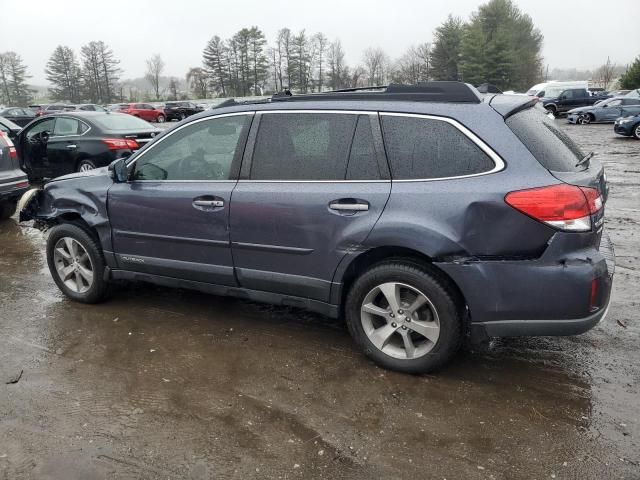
208,203
72,146
352,207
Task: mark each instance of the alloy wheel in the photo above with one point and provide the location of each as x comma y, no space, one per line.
73,265
85,167
400,320
160,119
637,132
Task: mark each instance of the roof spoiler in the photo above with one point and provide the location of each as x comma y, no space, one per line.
507,105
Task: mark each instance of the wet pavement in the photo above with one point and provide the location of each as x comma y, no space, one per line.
158,383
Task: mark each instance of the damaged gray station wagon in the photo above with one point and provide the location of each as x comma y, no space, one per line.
420,214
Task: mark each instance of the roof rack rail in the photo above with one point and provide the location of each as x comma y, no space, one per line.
436,91
232,102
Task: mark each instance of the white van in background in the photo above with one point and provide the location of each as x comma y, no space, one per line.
541,89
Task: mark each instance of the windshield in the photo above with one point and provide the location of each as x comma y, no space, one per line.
115,122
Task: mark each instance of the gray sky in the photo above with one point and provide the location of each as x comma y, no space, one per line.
179,30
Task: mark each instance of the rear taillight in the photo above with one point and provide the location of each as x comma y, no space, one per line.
12,153
12,149
121,143
565,207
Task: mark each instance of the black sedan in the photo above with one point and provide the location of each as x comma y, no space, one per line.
10,128
69,142
20,116
180,110
628,126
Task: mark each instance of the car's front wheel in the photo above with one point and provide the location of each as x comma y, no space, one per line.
160,119
76,263
636,132
404,317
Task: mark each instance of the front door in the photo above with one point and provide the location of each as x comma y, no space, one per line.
172,217
33,148
313,190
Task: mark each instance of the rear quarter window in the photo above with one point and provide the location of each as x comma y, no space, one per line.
424,148
553,148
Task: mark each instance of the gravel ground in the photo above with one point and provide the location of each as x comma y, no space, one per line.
158,383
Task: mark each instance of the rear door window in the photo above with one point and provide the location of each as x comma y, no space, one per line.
424,148
66,126
551,146
302,146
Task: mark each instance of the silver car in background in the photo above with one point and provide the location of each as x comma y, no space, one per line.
606,111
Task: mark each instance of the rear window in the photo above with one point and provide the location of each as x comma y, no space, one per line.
551,146
120,122
423,148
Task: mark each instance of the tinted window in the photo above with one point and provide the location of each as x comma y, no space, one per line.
551,146
302,146
66,126
363,163
201,151
421,148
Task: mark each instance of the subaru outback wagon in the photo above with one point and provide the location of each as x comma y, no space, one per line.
421,214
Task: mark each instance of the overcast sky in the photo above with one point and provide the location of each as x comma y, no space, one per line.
577,33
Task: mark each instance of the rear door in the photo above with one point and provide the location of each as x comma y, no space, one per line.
172,217
612,110
310,192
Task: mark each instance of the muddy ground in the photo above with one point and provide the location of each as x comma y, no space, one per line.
158,383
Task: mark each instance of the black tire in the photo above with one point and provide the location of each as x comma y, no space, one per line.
99,287
442,297
636,132
7,209
85,163
552,110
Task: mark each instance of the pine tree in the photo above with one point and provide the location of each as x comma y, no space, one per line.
214,60
631,78
501,46
100,71
445,54
13,80
63,71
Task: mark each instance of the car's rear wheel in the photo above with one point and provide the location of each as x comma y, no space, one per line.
636,132
552,110
86,165
404,317
76,263
7,209
160,119
182,117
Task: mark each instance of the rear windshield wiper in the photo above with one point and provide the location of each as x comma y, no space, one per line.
586,159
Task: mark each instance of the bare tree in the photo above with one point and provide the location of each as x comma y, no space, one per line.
337,66
376,63
155,67
414,66
320,42
604,75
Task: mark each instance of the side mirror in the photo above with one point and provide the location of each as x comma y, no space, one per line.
118,171
605,105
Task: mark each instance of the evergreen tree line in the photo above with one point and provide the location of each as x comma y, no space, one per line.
498,44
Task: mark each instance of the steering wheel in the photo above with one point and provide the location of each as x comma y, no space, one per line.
196,167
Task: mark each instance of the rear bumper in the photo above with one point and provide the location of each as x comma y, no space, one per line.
533,328
13,189
557,294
